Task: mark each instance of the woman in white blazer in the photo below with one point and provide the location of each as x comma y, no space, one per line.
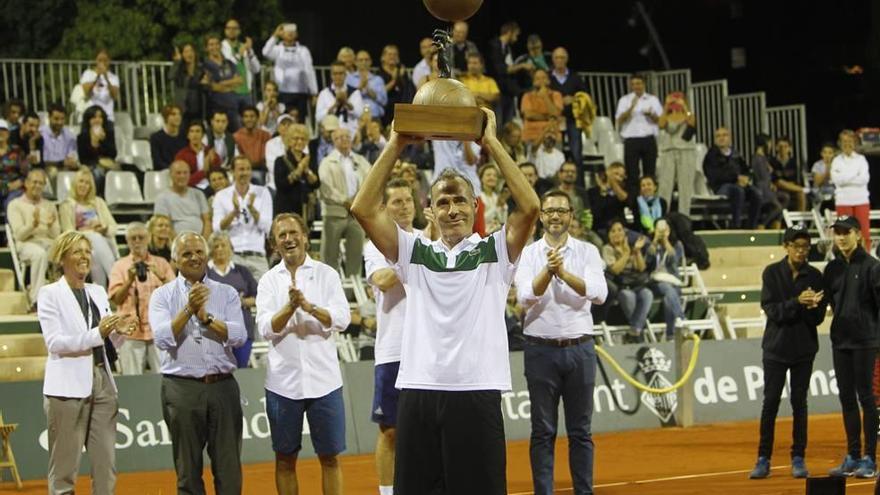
80,394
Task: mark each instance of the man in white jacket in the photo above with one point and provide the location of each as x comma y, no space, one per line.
850,176
293,72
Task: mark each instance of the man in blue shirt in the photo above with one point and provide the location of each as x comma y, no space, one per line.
371,86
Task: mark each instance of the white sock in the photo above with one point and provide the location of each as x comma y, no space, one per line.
386,490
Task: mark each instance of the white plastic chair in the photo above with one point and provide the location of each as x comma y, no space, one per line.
141,154
123,125
18,265
121,187
155,182
602,124
63,184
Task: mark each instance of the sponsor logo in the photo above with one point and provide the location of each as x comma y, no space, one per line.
654,366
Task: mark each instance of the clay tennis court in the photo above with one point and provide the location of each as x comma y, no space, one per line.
672,461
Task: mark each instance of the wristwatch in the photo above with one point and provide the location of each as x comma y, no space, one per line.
207,321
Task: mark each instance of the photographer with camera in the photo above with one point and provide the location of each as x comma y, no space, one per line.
132,281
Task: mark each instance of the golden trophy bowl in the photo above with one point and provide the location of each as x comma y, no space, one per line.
443,109
452,10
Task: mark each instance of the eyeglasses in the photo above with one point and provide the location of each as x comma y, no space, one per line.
559,211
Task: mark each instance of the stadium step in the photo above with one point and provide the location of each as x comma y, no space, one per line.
19,324
732,276
22,345
13,303
741,256
22,369
7,280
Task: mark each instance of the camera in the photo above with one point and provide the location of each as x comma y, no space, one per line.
141,268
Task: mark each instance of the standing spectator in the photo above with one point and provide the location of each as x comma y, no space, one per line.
850,176
244,210
546,156
460,49
221,80
677,161
133,280
665,256
185,206
651,206
792,297
187,75
251,141
558,280
196,325
96,145
370,141
483,87
371,86
200,158
59,142
823,188
535,58
29,140
422,70
241,53
786,172
341,173
494,198
275,147
13,110
12,168
293,70
398,85
218,180
88,214
541,108
628,269
773,200
161,234
80,393
34,223
579,199
567,83
322,145
609,197
222,269
853,282
168,141
340,100
511,139
221,141
346,56
270,109
100,85
300,305
296,173
504,71
461,156
728,175
637,115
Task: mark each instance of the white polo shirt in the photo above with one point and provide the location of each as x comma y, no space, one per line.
450,154
390,307
638,124
455,337
245,233
850,177
101,95
303,363
561,313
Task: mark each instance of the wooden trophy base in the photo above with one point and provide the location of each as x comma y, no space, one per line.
439,122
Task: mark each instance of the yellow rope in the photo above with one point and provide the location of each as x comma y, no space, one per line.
635,383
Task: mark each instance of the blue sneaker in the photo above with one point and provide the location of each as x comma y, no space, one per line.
762,469
798,467
846,468
867,468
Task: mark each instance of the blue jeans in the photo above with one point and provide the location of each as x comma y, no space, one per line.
635,304
568,373
738,196
671,305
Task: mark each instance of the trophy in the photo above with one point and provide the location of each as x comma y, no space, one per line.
443,108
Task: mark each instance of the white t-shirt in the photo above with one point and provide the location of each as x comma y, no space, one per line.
548,163
450,154
101,91
455,338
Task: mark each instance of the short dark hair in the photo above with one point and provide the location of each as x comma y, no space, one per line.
555,193
450,174
395,184
56,106
828,144
337,63
636,75
528,164
649,177
213,171
195,123
221,112
247,108
30,114
763,140
782,138
509,26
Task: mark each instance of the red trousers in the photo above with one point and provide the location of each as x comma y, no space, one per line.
862,214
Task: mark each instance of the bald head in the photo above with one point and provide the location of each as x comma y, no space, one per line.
560,58
179,175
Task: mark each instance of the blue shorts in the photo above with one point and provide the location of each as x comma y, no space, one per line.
326,416
385,396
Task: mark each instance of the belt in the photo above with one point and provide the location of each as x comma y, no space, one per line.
209,379
559,342
249,253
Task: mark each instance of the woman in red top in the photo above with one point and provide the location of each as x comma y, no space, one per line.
200,157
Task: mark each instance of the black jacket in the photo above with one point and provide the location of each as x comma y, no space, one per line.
722,169
854,294
790,335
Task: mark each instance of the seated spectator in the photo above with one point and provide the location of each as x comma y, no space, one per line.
494,197
186,206
463,156
218,180
850,175
12,168
772,199
293,70
296,173
370,141
460,49
187,77
161,236
251,141
169,140
568,84
96,145
546,156
338,99
322,145
29,140
221,141
270,109
608,198
628,269
346,56
534,59
34,224
728,175
541,109
244,211
241,53
677,158
651,206
59,142
13,110
221,80
275,147
88,214
132,281
371,86
100,85
398,85
786,174
223,269
511,139
200,158
483,87
665,256
538,184
823,188
422,69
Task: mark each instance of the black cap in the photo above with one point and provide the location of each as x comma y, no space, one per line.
794,232
846,222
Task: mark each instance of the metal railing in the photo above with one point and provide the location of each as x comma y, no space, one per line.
791,121
711,107
748,116
665,82
606,88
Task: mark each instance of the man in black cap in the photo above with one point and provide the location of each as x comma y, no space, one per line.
853,282
792,297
